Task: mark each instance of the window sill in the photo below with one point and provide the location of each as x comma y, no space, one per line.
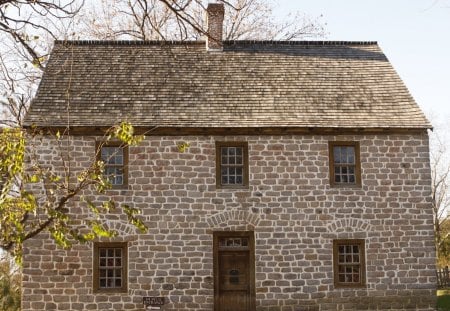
346,186
246,187
341,286
111,291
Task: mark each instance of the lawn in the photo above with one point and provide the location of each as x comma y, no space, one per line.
443,300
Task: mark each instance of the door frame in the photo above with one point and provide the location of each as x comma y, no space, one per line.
251,265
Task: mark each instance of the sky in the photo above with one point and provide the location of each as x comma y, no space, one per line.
414,35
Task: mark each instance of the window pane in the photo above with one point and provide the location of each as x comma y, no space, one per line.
118,159
232,160
351,156
110,262
239,160
118,180
337,154
224,171
224,160
224,180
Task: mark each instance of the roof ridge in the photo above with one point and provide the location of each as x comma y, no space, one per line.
127,42
301,42
199,42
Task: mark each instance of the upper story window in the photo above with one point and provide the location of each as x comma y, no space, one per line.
110,267
345,165
231,164
115,157
349,263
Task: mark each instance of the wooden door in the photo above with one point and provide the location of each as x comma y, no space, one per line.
234,275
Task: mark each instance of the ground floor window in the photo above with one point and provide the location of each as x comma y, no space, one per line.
110,267
349,263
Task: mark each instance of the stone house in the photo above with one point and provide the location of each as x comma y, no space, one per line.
304,184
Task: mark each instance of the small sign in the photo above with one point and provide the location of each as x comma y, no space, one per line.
153,301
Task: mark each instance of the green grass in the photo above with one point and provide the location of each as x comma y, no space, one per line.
443,299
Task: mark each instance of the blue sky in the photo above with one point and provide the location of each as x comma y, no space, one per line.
414,35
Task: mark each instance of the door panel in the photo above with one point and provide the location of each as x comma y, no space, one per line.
233,271
234,301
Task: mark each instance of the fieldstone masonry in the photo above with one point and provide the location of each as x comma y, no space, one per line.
289,205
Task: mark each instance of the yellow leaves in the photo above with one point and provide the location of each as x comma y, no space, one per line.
131,213
183,146
34,178
125,133
36,62
55,178
12,151
60,238
26,211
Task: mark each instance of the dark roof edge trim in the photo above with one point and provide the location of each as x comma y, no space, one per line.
126,42
226,131
200,42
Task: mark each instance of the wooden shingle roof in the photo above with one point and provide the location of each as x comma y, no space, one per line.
249,84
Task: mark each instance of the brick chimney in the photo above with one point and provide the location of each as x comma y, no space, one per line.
215,13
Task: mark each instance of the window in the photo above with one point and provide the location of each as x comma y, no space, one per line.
115,157
231,164
110,267
345,165
349,263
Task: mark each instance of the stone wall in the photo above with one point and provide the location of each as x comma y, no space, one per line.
290,206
